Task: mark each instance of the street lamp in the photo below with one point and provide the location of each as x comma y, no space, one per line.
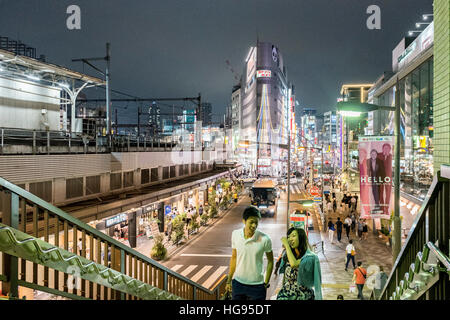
411,32
418,24
425,16
366,107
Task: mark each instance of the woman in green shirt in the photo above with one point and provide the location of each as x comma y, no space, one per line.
301,268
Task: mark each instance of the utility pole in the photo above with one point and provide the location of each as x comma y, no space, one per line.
397,237
107,58
108,92
289,177
139,122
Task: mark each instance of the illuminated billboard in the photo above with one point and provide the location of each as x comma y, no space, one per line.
263,74
375,170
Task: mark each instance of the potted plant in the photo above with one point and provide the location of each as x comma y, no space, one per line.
193,226
204,218
213,211
178,229
158,252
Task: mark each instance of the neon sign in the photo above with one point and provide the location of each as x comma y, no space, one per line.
263,74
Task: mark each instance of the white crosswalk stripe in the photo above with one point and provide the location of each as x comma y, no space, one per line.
211,273
201,273
295,189
177,267
188,270
213,278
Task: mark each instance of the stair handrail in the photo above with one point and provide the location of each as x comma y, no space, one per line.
83,226
443,174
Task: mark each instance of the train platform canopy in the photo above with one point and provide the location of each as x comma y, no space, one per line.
19,66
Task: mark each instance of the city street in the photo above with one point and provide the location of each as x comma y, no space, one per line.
134,135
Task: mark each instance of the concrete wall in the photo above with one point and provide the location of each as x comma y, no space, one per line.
441,119
26,105
56,169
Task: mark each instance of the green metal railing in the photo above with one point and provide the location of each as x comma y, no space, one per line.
422,268
44,248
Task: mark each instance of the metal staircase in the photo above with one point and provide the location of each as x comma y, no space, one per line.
422,269
38,250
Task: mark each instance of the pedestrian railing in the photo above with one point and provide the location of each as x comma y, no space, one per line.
422,268
22,141
45,249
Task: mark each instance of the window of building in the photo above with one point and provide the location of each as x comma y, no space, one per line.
128,179
154,175
74,188
42,190
145,176
165,173
115,181
92,185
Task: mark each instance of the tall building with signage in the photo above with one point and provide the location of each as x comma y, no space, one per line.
351,128
265,112
235,119
309,125
206,114
154,119
330,129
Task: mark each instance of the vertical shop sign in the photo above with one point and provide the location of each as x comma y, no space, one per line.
375,169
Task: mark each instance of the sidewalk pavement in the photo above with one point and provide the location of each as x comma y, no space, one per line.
145,246
371,252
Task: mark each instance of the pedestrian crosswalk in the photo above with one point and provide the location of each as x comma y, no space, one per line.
206,276
295,189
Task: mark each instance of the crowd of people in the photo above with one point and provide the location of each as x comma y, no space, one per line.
344,204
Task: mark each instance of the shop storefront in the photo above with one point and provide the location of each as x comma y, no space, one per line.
137,224
415,70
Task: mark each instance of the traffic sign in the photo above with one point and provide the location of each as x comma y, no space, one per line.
167,209
314,191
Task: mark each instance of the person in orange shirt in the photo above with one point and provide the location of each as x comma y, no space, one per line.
359,278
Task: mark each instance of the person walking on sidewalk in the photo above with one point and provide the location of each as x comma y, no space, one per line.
339,228
301,269
347,226
330,207
246,279
360,229
365,231
334,204
359,278
331,230
353,203
380,281
350,250
353,217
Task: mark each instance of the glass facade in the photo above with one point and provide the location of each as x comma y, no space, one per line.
416,101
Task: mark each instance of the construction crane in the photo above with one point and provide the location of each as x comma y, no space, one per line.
236,77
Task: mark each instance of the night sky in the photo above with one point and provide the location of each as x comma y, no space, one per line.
179,48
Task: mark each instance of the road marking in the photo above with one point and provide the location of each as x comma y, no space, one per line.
201,273
175,268
213,278
188,270
336,285
205,255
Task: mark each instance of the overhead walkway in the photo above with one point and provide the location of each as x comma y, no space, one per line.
51,258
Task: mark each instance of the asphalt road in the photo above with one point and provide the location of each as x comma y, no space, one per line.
207,258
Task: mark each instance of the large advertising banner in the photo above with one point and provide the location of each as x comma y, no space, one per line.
375,169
